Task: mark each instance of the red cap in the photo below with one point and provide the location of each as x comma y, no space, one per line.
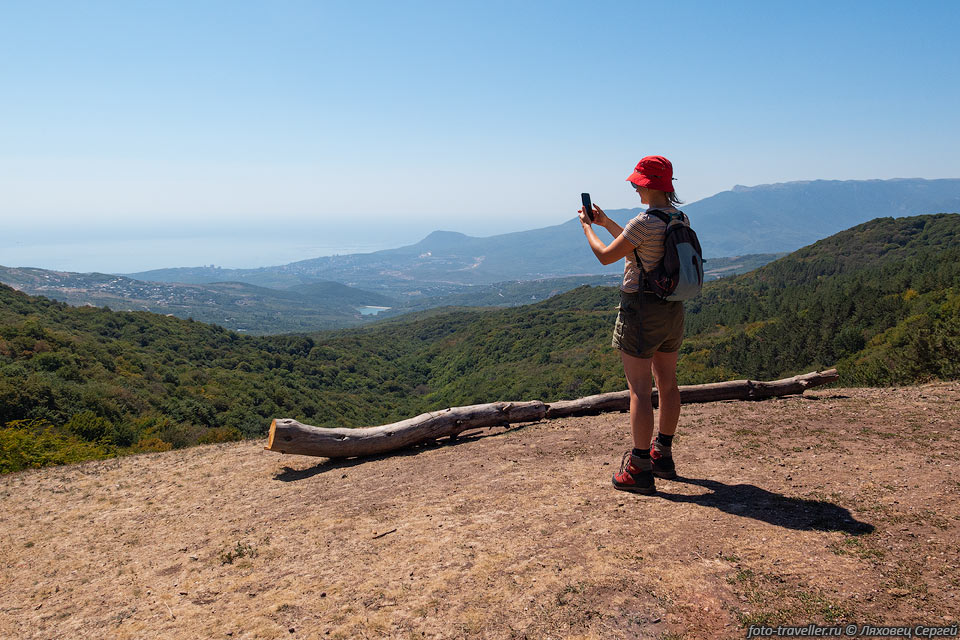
653,172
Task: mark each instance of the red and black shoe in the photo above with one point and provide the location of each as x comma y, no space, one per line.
661,458
636,475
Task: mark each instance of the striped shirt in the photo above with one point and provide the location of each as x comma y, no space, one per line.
645,232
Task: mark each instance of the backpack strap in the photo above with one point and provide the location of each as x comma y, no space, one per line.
664,216
667,217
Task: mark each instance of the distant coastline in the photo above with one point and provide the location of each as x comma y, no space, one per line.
129,255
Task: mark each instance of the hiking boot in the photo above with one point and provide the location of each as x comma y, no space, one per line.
636,475
661,459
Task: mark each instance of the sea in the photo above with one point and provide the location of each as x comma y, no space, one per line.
143,253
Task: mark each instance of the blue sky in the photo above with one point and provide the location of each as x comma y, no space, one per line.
360,118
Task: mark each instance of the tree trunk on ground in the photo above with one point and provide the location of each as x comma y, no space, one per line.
695,393
290,436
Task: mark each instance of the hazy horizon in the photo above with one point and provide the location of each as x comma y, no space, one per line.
145,254
461,116
143,245
131,249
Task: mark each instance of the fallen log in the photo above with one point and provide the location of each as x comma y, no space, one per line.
696,393
290,436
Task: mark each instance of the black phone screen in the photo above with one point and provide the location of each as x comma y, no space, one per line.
587,206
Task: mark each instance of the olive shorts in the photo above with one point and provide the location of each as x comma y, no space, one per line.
647,324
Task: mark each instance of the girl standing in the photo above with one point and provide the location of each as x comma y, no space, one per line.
649,330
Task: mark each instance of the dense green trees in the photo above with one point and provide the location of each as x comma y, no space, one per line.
881,301
823,305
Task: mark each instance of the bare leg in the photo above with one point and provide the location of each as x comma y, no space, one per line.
665,371
640,381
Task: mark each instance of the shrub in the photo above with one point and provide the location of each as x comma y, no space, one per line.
26,444
220,434
89,426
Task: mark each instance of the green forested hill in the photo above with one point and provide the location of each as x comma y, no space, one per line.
881,300
86,382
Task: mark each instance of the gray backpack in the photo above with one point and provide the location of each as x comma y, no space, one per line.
679,276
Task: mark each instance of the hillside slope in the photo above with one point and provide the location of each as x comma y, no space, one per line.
836,507
881,300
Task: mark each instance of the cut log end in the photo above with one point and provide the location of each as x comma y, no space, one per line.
273,433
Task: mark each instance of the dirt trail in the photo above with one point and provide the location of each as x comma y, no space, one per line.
841,505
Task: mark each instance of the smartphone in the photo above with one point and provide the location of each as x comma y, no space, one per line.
587,205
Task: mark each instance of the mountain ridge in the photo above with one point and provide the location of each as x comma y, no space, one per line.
763,219
751,217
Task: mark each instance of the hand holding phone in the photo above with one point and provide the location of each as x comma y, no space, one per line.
587,205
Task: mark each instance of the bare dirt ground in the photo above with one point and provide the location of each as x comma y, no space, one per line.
838,506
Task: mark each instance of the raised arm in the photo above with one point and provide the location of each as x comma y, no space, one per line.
601,218
611,226
606,254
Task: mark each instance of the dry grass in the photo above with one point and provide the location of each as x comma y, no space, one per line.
840,505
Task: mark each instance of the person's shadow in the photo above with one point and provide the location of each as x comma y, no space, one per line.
751,501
